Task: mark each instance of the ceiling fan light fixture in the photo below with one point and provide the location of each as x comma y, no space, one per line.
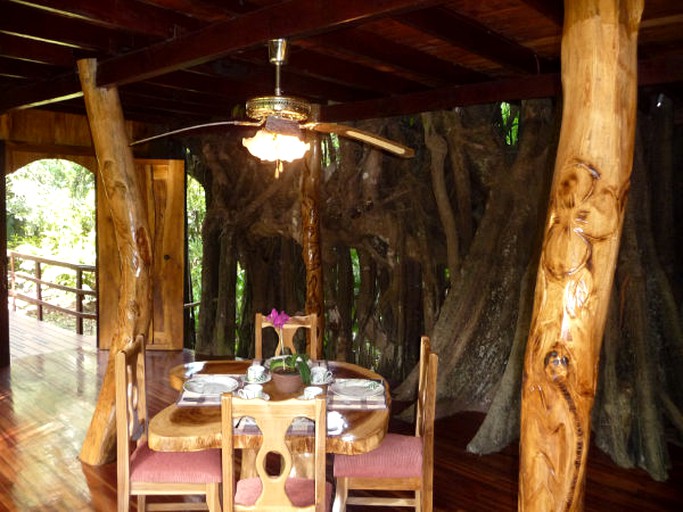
275,147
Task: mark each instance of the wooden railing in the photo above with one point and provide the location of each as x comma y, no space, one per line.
20,281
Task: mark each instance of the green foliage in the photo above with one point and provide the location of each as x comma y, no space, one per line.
510,123
330,150
240,296
195,204
51,211
355,267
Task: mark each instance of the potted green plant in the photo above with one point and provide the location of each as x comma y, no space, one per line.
292,364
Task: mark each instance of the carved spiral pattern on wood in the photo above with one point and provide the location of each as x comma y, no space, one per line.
581,213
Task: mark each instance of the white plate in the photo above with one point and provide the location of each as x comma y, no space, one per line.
357,388
209,385
264,378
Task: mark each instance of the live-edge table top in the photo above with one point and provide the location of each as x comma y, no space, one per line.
197,428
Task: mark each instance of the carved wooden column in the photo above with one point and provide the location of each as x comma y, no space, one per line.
588,195
310,236
124,194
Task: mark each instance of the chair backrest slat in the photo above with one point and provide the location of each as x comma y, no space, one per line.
131,406
290,328
274,420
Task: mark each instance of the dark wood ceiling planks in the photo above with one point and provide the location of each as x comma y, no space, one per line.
181,61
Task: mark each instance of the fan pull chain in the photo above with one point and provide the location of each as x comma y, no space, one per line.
278,168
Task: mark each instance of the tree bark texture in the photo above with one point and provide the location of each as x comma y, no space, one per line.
311,241
581,242
123,190
478,321
386,275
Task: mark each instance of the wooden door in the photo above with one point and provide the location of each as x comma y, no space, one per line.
164,186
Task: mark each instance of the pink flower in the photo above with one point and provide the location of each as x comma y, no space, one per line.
277,319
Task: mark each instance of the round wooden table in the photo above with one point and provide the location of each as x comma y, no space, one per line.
197,428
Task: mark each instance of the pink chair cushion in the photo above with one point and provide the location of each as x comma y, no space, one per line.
301,491
175,467
398,456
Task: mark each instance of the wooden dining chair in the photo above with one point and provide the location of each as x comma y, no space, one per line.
268,492
143,472
290,328
401,462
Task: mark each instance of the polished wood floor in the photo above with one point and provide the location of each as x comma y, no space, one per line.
48,394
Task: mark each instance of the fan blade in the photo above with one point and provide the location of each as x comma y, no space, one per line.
197,127
363,136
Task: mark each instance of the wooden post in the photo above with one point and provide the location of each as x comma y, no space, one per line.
574,281
4,314
126,201
79,301
39,289
310,237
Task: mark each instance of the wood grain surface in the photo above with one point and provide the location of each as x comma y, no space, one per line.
195,428
47,398
583,230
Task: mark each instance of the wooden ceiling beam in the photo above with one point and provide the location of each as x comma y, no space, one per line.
468,35
348,73
41,25
551,9
367,45
208,10
252,75
26,69
35,51
142,100
511,89
56,89
128,15
295,18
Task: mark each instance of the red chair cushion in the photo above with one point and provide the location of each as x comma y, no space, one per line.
398,456
175,467
301,491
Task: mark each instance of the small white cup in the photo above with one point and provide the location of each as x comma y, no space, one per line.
251,391
311,392
320,375
255,372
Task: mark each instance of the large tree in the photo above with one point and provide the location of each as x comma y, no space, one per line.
444,244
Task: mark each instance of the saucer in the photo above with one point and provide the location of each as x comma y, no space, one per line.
264,378
264,396
328,380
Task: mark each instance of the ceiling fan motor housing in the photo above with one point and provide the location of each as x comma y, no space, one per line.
287,107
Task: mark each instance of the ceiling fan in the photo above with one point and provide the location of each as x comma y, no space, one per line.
282,118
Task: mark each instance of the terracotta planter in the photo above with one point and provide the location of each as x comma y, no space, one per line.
287,383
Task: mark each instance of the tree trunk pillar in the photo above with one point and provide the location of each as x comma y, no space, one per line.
310,237
127,204
581,242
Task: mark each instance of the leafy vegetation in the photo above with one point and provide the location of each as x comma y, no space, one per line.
509,123
51,213
195,205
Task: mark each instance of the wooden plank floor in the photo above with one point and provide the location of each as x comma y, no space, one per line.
48,394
